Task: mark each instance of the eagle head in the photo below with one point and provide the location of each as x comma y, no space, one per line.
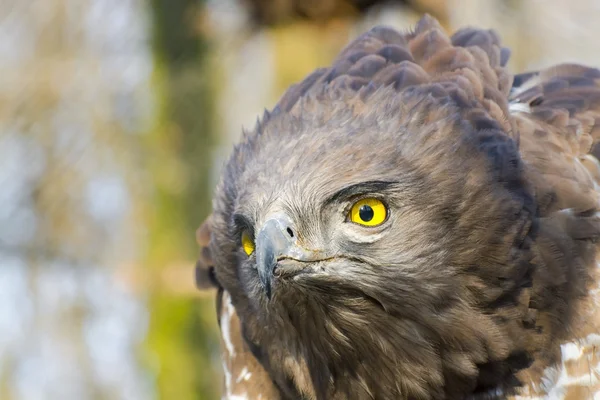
375,229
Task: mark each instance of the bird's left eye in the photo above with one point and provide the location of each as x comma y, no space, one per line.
247,243
368,212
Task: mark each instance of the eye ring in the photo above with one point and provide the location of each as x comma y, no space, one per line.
368,212
247,243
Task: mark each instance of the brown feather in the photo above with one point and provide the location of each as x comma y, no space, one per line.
205,275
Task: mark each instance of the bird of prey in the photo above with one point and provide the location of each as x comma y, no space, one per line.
413,222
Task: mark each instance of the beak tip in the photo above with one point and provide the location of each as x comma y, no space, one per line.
265,283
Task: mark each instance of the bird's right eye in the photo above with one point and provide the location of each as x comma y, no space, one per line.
247,243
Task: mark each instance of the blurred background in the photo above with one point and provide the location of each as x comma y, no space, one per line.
115,119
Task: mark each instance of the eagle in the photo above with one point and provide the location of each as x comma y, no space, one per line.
413,222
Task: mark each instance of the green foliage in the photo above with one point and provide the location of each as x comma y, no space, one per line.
181,343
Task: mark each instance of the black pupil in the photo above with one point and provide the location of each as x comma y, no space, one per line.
366,213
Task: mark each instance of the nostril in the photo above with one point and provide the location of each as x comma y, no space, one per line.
290,232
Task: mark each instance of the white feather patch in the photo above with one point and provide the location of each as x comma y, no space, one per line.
518,107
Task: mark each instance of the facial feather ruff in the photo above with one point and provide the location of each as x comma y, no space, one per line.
411,224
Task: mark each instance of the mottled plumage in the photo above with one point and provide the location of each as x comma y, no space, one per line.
482,282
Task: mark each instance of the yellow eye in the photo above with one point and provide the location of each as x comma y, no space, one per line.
247,243
368,212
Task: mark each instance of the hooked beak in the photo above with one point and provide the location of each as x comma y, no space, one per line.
277,240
